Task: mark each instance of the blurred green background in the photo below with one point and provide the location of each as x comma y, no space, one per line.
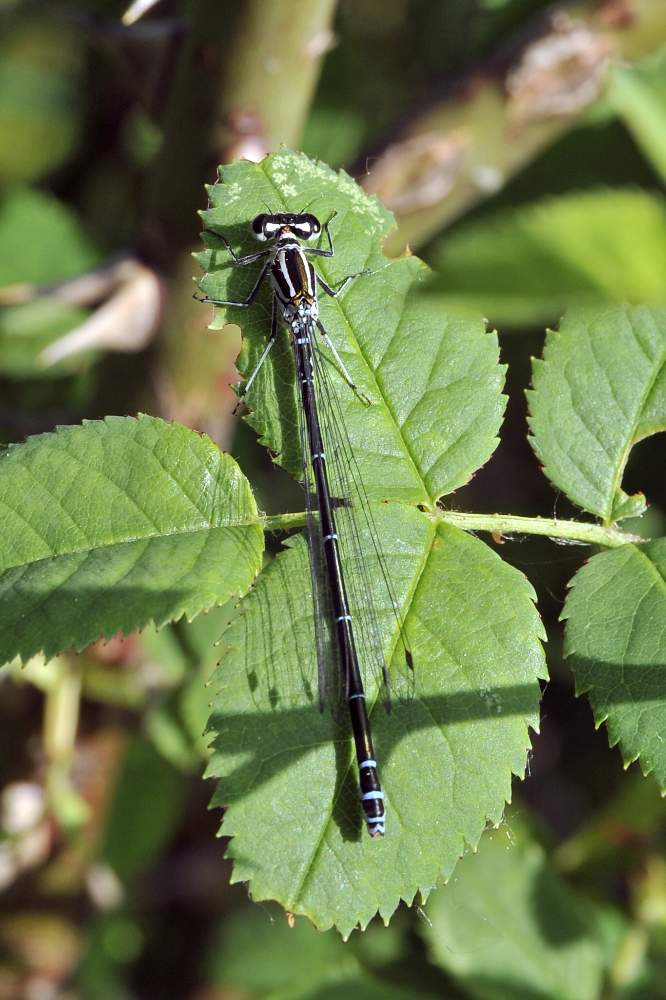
523,150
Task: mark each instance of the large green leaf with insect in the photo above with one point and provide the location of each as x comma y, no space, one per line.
115,524
458,729
600,388
434,382
447,750
616,644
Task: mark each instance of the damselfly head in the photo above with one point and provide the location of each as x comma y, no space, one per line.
269,227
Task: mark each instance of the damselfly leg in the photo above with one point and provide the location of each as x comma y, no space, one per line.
341,365
254,292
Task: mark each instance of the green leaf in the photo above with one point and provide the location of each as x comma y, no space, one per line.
600,388
616,643
447,754
295,959
41,240
115,524
527,265
176,723
152,819
638,94
296,962
434,381
508,926
26,330
41,77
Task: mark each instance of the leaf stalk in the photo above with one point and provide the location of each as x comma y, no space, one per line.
582,532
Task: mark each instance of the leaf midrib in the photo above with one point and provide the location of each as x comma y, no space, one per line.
148,537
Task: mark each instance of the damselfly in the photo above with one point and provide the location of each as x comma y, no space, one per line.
294,282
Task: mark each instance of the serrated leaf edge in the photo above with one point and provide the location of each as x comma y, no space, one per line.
441,875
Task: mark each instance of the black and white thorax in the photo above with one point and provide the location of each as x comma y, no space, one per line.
294,281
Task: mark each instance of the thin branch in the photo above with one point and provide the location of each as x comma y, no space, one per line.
271,72
584,532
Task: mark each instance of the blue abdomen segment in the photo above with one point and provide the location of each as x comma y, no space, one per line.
372,798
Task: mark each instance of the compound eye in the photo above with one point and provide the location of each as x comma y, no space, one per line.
313,225
258,224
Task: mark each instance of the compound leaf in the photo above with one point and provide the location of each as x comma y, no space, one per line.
459,726
115,524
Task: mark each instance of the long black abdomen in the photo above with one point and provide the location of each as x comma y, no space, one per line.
372,796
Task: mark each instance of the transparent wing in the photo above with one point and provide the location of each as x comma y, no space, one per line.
380,631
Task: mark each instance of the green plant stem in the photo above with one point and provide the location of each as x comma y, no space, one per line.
584,532
236,93
269,87
285,522
61,720
61,716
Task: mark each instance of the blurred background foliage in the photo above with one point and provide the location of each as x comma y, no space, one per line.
522,147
